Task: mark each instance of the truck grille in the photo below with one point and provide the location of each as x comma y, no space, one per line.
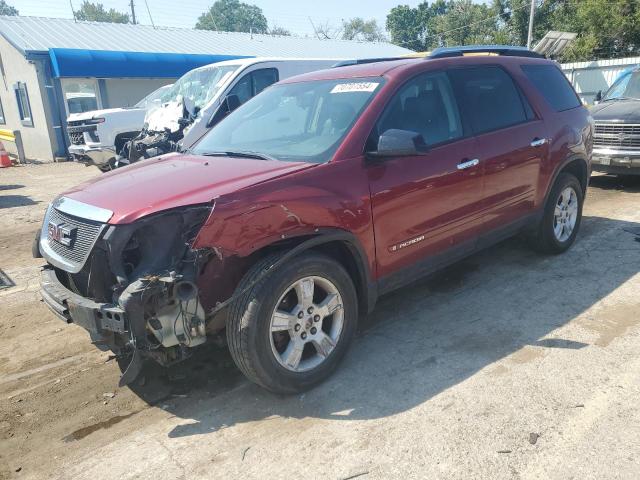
82,240
76,138
617,135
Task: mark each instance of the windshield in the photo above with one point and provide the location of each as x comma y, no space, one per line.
200,85
627,86
153,99
298,121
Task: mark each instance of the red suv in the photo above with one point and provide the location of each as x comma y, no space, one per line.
292,216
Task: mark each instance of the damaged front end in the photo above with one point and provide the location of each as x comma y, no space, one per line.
133,287
163,131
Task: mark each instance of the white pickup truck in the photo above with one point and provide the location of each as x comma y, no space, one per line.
96,137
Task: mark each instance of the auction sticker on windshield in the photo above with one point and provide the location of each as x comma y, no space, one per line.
355,87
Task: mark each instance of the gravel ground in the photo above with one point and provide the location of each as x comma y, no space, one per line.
507,365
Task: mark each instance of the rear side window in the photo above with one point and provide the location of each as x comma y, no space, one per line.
489,98
553,86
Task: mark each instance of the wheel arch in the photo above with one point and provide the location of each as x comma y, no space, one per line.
577,166
342,246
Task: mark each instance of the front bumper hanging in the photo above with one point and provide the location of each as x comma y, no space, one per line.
99,319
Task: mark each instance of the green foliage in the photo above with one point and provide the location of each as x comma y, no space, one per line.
605,28
233,16
6,9
95,12
360,29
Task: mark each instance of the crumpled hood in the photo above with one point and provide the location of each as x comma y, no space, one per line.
174,180
74,117
627,111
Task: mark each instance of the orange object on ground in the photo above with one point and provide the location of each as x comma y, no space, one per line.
5,161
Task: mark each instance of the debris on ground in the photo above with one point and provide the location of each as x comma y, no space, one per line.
533,438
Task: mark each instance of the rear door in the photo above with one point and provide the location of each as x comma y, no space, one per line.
426,208
511,141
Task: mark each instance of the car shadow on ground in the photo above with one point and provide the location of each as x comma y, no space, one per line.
629,183
423,339
10,201
10,187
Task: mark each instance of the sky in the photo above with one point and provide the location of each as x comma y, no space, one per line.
292,15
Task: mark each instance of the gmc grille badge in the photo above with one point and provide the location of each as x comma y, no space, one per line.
62,233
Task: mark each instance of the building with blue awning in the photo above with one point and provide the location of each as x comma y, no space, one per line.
52,67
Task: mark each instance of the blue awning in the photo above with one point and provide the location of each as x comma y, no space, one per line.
70,62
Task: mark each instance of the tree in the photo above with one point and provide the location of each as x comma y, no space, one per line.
95,12
605,28
233,16
275,30
6,9
359,29
441,23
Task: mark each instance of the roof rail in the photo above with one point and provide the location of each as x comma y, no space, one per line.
504,50
360,61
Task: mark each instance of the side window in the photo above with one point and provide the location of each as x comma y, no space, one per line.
263,78
425,105
24,108
553,86
489,98
243,88
253,83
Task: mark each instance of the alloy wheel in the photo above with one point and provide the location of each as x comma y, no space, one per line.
306,323
565,214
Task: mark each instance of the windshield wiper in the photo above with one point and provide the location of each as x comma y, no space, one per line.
241,154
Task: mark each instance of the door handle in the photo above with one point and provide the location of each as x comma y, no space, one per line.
538,142
468,164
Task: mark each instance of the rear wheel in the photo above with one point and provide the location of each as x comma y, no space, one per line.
290,330
562,215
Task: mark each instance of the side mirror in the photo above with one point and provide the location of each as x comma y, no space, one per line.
399,143
598,97
227,105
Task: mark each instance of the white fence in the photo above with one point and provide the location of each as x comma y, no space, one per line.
590,77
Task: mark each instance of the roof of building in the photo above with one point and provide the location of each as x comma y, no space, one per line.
39,35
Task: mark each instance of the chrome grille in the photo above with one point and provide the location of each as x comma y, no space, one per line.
77,138
85,235
617,135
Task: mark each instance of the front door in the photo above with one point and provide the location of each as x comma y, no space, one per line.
426,208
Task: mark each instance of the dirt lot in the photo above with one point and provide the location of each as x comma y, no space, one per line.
507,365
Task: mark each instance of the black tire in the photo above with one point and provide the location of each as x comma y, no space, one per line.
248,324
544,239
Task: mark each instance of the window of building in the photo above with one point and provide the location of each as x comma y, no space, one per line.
2,120
489,98
553,86
24,108
80,95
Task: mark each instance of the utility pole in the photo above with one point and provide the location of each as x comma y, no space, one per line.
531,15
133,13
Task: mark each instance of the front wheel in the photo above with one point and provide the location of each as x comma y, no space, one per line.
290,330
562,215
